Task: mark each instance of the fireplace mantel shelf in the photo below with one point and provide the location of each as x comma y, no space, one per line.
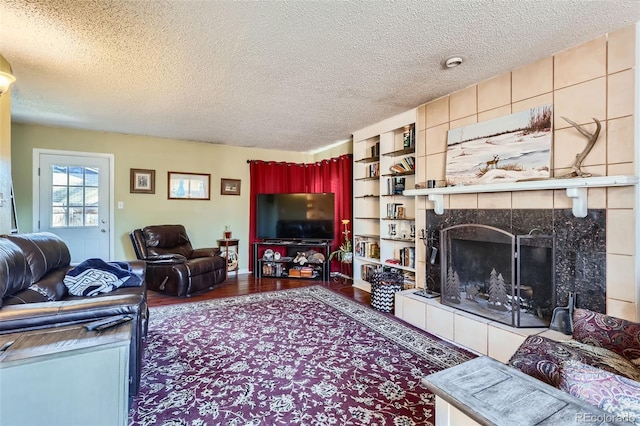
576,189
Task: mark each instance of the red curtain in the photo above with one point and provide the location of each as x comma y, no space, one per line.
332,175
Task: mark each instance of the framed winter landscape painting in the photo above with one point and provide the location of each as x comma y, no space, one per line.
506,149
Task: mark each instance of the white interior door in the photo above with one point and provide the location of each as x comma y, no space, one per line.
74,202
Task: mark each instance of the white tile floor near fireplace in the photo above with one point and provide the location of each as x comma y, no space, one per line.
479,334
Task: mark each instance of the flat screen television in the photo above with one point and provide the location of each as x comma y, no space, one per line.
303,216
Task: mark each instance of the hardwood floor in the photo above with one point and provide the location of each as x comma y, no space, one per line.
247,284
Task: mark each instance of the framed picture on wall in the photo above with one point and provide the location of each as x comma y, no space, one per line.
142,181
188,186
230,186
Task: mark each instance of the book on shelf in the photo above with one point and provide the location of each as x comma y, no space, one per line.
367,271
409,137
398,185
407,164
375,149
408,257
395,185
373,251
365,248
374,170
395,211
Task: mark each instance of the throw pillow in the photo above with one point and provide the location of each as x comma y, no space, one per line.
606,359
541,357
610,392
618,335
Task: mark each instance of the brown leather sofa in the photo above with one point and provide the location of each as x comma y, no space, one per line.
33,294
174,267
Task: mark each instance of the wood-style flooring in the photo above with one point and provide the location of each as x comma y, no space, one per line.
236,285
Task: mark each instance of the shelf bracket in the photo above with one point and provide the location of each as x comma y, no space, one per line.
438,199
579,196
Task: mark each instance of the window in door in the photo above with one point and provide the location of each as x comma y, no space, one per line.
74,196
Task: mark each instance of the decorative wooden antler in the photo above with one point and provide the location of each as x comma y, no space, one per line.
593,137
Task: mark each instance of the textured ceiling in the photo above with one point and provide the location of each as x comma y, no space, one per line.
297,75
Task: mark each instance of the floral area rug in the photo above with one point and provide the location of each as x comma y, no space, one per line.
306,356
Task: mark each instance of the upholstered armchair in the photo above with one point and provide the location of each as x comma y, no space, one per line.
174,267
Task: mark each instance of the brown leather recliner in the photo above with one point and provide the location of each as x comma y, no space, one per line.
174,267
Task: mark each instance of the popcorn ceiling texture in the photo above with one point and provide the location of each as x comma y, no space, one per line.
284,75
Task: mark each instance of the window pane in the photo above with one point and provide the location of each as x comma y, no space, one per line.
91,196
76,196
91,176
91,216
59,195
76,176
59,175
59,217
75,216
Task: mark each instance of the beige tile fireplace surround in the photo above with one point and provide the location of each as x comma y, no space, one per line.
595,79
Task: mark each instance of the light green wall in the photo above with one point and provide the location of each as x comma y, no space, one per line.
204,220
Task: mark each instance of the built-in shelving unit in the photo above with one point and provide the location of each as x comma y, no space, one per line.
384,222
576,189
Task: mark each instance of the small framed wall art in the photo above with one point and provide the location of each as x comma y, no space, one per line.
142,181
230,186
189,186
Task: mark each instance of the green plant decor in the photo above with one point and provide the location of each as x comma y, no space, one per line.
344,253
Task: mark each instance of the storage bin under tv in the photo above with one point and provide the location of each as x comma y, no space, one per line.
284,266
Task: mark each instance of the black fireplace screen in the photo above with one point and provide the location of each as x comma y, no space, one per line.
498,275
